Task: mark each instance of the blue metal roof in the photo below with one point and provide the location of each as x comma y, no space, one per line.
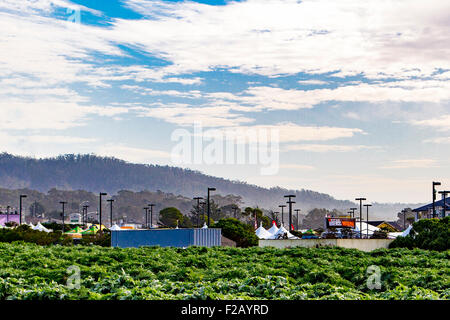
439,203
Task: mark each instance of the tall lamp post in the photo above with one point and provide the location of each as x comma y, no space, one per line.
20,207
63,212
235,209
435,184
209,205
297,211
198,209
100,209
110,210
444,197
367,227
203,204
282,206
290,202
151,205
146,217
7,213
360,215
85,207
353,211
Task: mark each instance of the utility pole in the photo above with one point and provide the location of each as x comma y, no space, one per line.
63,212
111,210
367,228
360,215
353,211
198,209
290,202
434,197
100,209
146,217
20,207
297,210
209,205
151,205
282,206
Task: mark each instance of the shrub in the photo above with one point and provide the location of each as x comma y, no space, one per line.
241,233
431,234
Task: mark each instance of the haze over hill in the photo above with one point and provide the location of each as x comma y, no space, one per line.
94,173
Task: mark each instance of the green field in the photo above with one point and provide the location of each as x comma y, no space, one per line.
29,271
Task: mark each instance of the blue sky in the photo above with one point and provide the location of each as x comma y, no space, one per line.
358,91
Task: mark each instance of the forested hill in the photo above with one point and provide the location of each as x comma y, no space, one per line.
94,173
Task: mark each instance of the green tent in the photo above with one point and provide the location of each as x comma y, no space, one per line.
74,230
91,230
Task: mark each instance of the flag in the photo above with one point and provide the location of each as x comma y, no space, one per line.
292,227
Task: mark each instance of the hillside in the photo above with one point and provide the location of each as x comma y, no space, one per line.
93,173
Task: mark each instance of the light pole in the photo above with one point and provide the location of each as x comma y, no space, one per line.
198,209
209,205
297,210
63,204
276,216
434,197
290,202
203,203
110,210
353,211
360,215
20,207
235,209
367,227
151,205
85,208
100,209
146,217
282,206
444,196
7,213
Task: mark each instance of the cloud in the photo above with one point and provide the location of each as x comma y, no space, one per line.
441,123
329,148
378,39
297,166
312,82
438,140
411,163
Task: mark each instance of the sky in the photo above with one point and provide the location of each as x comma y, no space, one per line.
358,92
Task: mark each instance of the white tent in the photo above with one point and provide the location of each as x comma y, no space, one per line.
393,235
262,233
204,226
407,231
281,232
40,227
115,227
365,227
273,229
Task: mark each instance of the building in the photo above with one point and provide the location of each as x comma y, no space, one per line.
75,218
392,226
427,210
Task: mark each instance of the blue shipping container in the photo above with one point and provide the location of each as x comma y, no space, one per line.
180,238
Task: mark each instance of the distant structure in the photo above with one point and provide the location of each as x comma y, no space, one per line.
427,210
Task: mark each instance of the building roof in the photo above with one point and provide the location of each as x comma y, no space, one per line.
439,203
393,224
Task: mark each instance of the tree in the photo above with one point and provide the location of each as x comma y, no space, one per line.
37,209
241,233
169,216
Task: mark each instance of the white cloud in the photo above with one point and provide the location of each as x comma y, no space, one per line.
375,38
328,148
312,82
411,163
441,123
297,166
438,140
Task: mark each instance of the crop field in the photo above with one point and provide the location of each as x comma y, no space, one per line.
29,271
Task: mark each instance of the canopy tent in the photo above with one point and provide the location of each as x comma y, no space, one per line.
74,230
262,233
115,227
273,229
281,231
366,228
92,230
40,227
204,226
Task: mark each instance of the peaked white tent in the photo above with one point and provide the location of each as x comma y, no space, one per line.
204,226
115,227
281,232
262,233
273,229
366,228
40,227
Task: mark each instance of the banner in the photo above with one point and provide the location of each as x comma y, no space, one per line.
340,222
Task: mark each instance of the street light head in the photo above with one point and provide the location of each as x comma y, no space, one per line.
436,183
290,196
360,199
103,193
212,189
23,195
